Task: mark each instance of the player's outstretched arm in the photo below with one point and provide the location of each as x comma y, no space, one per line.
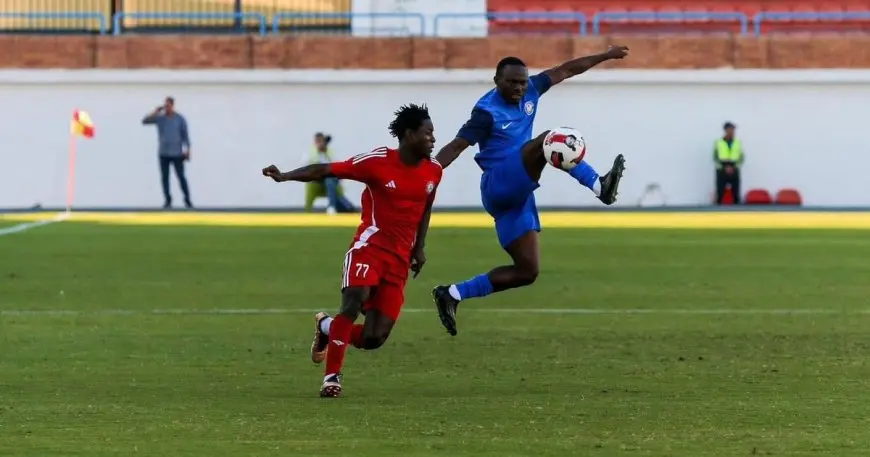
580,65
475,129
308,173
451,151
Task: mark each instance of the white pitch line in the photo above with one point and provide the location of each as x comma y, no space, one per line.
550,311
23,227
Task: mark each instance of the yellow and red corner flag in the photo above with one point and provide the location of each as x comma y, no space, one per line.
81,124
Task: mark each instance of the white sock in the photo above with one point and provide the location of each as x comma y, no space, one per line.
596,188
454,292
324,325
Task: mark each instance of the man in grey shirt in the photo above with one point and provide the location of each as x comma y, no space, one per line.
174,147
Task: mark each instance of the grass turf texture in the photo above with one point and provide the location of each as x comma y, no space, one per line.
99,383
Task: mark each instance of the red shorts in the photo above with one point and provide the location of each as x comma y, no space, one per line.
372,267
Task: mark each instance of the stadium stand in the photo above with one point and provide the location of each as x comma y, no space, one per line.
230,13
681,16
59,16
170,15
570,17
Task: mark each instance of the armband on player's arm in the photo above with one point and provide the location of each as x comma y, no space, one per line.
478,127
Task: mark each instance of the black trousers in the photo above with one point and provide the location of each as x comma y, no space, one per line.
723,180
178,164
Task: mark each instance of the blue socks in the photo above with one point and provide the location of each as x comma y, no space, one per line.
478,286
585,174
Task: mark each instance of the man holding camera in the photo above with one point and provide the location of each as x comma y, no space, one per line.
330,187
174,147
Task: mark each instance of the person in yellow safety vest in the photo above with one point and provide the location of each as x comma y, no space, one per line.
728,157
330,187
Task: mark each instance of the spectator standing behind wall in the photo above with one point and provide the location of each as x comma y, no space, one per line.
330,187
728,157
173,147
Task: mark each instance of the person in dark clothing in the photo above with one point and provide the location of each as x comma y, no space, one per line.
173,149
728,157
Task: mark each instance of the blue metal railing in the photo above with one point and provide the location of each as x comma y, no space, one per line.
118,19
660,16
580,18
99,17
279,17
775,16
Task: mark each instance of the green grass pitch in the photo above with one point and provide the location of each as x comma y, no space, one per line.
751,343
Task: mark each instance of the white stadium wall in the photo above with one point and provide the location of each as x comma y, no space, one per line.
803,129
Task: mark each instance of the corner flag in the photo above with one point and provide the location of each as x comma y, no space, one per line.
81,124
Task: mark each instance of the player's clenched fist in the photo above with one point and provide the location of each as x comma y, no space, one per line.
418,259
272,172
617,52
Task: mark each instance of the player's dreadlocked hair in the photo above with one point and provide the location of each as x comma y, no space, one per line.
408,117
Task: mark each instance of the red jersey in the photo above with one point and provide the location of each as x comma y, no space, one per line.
394,200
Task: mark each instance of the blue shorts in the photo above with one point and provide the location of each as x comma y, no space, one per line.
508,195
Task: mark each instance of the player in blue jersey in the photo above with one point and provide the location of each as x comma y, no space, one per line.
512,163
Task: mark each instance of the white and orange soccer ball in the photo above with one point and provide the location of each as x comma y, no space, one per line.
564,148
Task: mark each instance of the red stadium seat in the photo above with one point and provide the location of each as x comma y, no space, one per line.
758,197
790,197
647,25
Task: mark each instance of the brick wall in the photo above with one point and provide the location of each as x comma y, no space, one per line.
193,52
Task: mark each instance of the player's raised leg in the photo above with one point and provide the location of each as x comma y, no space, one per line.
517,225
605,187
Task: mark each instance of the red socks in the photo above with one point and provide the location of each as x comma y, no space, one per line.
339,338
341,333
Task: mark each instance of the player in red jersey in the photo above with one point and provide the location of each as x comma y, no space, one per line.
396,206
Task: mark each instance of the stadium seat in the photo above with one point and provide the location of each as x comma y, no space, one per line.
647,25
815,24
758,197
789,197
559,23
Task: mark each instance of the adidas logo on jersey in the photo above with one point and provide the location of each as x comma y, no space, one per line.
391,185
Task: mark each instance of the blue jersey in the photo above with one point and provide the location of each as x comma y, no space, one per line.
499,127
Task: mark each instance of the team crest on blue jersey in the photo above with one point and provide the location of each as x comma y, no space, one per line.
530,108
430,186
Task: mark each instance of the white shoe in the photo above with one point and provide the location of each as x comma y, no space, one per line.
331,386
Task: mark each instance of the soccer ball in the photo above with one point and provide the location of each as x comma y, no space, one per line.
564,148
